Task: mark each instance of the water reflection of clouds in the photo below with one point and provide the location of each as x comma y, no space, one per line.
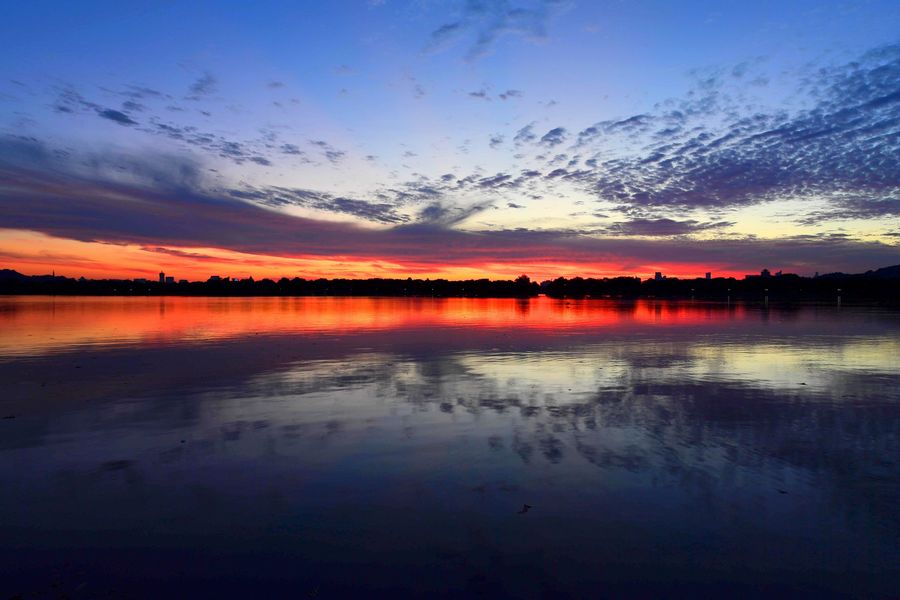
586,389
821,365
669,411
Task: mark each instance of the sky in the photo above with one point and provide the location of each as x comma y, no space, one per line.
454,139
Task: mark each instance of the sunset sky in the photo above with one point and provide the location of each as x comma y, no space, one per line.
449,138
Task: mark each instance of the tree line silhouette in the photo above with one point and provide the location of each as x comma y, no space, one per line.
883,284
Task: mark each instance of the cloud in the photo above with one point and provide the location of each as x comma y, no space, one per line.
498,180
495,140
162,172
204,85
525,134
292,149
554,137
511,94
116,116
333,155
139,92
443,35
70,101
740,69
854,208
483,22
180,253
280,197
440,215
482,94
662,227
237,151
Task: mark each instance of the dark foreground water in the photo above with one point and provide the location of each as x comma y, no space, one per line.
325,447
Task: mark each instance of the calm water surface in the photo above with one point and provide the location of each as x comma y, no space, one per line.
320,447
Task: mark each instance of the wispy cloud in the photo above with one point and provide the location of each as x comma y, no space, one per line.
279,197
554,137
482,22
116,116
204,85
331,153
662,227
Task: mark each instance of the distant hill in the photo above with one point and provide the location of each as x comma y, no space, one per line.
883,273
10,275
886,272
7,275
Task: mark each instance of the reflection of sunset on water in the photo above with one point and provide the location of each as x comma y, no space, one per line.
51,323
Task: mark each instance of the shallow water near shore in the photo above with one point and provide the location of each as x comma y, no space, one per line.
318,447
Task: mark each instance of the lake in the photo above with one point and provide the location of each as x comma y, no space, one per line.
327,447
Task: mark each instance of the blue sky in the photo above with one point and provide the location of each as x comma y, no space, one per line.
693,128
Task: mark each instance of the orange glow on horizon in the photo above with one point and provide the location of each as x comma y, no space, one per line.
33,253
